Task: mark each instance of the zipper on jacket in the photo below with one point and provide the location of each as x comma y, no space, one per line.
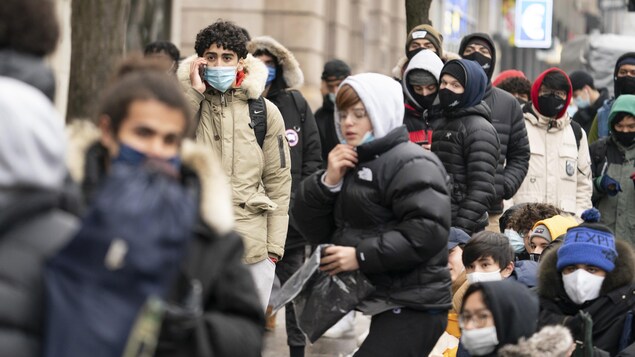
283,161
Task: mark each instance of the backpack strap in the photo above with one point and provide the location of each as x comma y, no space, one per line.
297,98
577,131
258,116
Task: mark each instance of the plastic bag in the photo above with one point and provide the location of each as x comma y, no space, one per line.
320,300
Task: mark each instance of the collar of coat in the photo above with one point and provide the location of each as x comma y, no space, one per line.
216,202
537,119
252,86
550,285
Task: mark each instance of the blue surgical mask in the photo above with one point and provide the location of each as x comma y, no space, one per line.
271,76
368,137
582,103
515,240
220,78
133,157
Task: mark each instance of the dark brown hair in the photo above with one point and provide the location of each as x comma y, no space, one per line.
488,244
346,97
523,220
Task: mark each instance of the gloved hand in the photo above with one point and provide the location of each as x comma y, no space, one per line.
609,185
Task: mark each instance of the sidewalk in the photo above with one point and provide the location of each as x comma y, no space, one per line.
275,342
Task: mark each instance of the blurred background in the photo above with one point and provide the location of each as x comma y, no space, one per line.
531,35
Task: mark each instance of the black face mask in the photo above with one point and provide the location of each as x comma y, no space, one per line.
414,52
425,101
626,139
550,105
625,85
486,63
449,100
534,257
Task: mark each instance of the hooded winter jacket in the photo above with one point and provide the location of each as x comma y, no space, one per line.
610,312
507,118
393,207
559,171
32,225
417,118
301,129
612,158
514,308
232,315
600,126
550,341
260,177
467,145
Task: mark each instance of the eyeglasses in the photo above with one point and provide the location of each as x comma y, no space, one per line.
547,92
479,319
358,115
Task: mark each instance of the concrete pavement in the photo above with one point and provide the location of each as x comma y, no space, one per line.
275,342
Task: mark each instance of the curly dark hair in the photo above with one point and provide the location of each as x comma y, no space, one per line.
163,46
523,220
516,85
222,33
28,26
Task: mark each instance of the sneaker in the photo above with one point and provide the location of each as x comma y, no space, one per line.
344,328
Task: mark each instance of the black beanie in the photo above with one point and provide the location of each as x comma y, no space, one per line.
580,79
336,69
455,70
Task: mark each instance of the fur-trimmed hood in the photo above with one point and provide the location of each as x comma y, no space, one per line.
550,285
255,75
216,202
291,72
551,341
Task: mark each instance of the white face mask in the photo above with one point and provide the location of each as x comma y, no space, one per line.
480,341
478,277
582,286
515,240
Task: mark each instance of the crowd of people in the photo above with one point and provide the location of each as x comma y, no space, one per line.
489,218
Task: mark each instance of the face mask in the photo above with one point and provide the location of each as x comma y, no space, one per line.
625,85
479,277
481,59
271,76
515,240
425,101
130,156
534,257
220,78
480,341
582,103
626,139
331,97
448,99
414,52
368,137
582,286
550,105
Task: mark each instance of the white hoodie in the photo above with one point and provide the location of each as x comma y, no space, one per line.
383,99
426,60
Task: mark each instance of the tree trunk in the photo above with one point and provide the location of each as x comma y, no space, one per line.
417,13
97,45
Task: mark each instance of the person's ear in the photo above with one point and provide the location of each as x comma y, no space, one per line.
107,138
507,272
241,65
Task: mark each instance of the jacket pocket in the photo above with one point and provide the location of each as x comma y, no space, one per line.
259,203
281,143
568,165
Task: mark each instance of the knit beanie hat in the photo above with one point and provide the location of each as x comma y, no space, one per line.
336,69
454,69
552,228
421,77
580,79
590,243
429,33
510,73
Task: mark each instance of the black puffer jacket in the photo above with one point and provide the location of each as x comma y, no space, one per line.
507,118
468,146
394,207
325,119
32,229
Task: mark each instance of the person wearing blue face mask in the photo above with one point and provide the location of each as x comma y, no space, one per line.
143,121
587,98
285,76
379,192
223,84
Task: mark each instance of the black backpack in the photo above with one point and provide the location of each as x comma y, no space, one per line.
258,116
